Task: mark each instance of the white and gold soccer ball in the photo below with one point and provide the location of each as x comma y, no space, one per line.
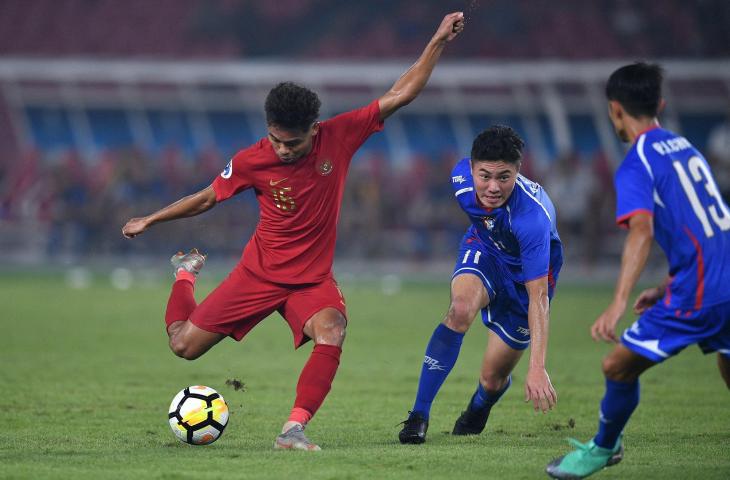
198,415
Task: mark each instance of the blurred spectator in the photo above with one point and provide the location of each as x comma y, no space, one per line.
570,184
378,28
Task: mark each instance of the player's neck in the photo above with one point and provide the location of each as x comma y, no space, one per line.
638,126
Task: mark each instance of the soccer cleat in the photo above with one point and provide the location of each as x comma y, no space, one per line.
191,262
414,429
471,421
585,460
294,439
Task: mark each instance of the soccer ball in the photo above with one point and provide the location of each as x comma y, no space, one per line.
198,415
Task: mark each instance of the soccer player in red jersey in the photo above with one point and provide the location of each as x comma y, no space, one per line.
298,175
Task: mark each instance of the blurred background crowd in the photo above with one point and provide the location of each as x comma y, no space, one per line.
112,109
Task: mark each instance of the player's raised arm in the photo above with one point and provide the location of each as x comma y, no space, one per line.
635,253
538,387
410,84
189,206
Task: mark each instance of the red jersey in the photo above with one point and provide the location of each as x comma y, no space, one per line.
294,241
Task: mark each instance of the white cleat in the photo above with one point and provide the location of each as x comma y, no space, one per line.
294,439
192,261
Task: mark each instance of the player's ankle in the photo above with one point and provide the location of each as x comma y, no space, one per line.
182,274
289,424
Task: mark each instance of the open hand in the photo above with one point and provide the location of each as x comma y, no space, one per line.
539,390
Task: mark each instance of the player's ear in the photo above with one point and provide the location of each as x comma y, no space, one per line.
662,104
315,128
616,110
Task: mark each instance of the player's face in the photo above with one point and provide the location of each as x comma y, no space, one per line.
291,145
494,181
617,115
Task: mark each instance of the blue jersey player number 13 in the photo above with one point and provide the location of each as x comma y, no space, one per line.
665,191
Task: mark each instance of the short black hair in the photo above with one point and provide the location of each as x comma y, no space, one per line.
292,107
638,88
498,142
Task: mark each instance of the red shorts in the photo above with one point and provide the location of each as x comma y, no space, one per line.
242,300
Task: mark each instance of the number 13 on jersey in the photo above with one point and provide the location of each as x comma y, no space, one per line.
717,209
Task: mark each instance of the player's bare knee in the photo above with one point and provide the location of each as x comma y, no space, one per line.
614,369
182,349
493,382
460,315
330,330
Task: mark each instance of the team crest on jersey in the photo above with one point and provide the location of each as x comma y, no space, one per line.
228,171
325,167
489,223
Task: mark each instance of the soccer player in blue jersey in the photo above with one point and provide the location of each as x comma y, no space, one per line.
506,268
665,190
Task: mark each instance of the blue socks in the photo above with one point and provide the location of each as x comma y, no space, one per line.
482,399
617,405
441,354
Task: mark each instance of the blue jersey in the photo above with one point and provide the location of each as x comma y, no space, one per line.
521,234
665,176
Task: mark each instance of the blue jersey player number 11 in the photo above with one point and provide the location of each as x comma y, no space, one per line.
506,269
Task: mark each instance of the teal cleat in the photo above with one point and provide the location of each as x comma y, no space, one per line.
585,460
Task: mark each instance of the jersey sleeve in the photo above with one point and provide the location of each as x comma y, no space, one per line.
354,127
634,189
533,235
234,178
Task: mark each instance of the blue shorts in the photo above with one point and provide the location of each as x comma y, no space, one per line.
506,313
660,332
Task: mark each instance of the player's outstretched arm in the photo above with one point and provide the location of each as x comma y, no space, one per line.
189,206
410,84
633,260
538,388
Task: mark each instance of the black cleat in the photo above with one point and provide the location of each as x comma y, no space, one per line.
471,421
414,429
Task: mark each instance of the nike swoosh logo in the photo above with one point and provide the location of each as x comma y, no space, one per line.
273,183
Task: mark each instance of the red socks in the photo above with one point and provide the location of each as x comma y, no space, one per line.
315,382
182,301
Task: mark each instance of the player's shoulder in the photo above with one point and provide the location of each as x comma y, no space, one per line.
462,168
530,202
461,175
364,112
261,149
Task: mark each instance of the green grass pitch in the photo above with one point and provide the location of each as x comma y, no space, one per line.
87,378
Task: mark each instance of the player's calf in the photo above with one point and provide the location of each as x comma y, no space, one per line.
723,363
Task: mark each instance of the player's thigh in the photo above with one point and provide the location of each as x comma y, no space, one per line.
316,309
624,365
499,361
238,304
